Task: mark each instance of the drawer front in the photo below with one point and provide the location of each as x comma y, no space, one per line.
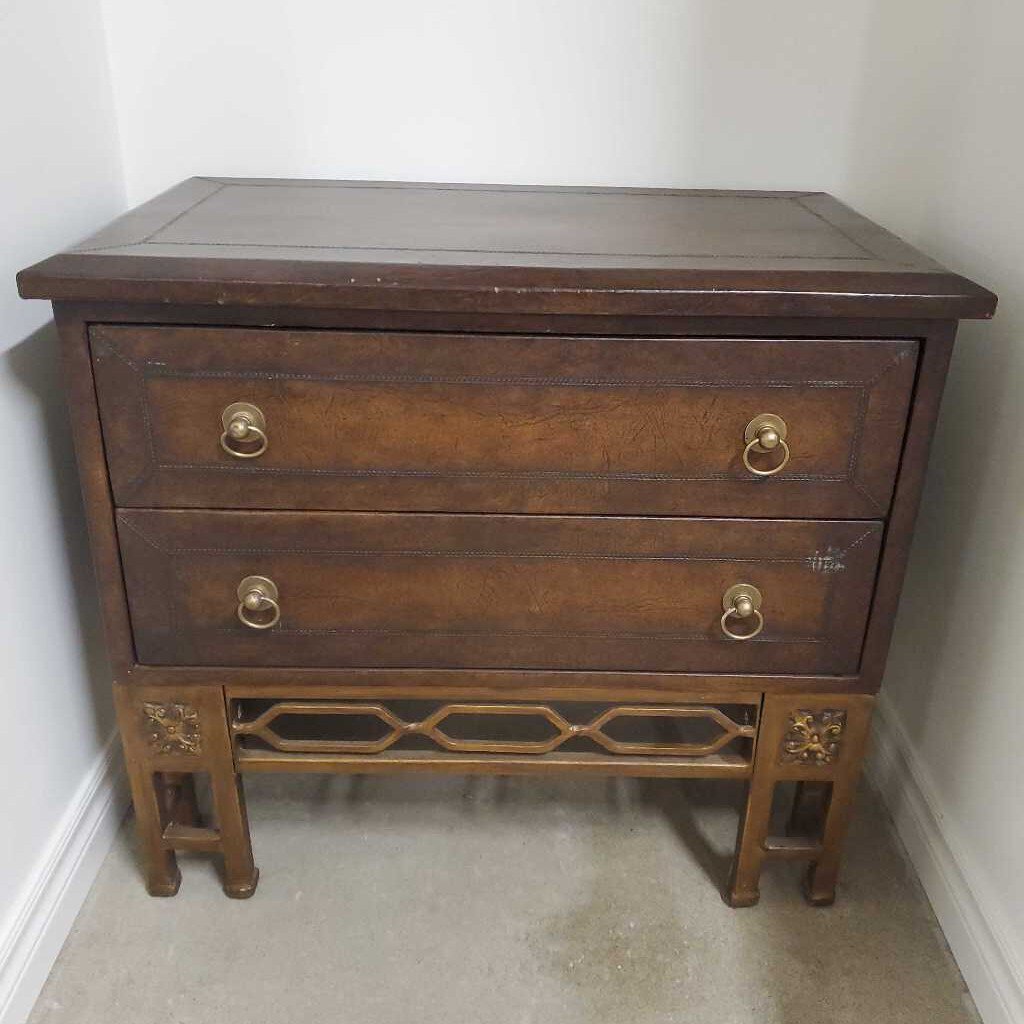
462,423
468,591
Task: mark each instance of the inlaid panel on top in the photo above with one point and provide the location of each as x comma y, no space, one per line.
458,224
505,248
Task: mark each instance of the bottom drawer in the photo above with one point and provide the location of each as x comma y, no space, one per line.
481,591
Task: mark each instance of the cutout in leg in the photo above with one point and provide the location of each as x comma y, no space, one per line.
182,802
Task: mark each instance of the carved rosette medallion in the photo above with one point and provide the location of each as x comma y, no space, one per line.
813,737
172,728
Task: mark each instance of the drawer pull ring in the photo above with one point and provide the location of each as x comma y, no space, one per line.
763,434
243,424
257,594
742,601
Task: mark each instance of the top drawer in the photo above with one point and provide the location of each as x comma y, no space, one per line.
488,423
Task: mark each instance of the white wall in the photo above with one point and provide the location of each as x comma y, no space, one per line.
59,178
936,152
911,111
671,92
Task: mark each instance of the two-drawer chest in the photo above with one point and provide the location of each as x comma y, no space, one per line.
486,479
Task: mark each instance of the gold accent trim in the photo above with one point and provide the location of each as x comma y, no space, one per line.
258,594
813,737
765,433
172,728
742,600
243,423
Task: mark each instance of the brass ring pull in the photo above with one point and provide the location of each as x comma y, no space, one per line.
763,434
742,601
243,424
257,594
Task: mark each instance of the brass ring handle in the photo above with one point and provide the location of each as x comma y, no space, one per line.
258,594
243,423
742,601
765,433
755,445
742,636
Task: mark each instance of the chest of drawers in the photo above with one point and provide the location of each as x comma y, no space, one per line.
484,479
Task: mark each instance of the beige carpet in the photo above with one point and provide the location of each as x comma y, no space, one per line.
513,901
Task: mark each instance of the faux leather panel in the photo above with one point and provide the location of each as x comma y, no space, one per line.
524,592
490,423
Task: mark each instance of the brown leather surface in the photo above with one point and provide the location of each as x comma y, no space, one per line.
500,248
500,423
497,591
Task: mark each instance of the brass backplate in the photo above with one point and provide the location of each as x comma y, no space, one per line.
759,422
247,409
741,590
268,588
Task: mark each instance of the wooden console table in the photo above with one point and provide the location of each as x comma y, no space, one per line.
398,477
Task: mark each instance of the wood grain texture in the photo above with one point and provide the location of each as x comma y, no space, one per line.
500,423
934,362
492,684
96,495
412,246
497,591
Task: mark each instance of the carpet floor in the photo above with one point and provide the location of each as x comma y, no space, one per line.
432,899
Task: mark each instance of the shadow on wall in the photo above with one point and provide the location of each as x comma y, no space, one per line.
35,364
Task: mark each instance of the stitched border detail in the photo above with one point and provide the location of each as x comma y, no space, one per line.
509,634
148,370
151,370
477,553
145,376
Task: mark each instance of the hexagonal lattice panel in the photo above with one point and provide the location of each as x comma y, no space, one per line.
439,725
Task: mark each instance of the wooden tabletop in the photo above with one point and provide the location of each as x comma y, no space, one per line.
501,248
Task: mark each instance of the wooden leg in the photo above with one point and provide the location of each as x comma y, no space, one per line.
820,882
742,890
159,863
240,873
818,742
169,737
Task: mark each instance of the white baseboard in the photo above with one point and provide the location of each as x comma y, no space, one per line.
50,901
972,918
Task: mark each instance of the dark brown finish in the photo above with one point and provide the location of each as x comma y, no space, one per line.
505,248
95,484
899,530
492,423
488,684
526,592
578,364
